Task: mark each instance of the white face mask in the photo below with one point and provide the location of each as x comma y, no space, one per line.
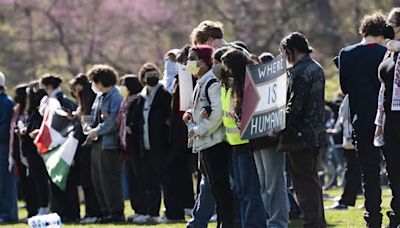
94,88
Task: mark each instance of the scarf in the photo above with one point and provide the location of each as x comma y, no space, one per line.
396,86
121,121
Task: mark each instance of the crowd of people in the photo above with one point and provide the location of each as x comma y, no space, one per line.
133,125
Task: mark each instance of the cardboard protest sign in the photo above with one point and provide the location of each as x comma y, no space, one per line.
264,101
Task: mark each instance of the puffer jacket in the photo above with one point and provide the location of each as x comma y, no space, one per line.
210,131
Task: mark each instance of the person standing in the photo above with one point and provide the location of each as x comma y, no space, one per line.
389,74
8,188
358,70
81,90
150,129
245,176
305,132
65,203
106,165
208,134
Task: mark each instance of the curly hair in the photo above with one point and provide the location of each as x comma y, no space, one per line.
104,74
372,25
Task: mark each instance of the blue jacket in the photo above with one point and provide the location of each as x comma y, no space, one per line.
6,107
108,128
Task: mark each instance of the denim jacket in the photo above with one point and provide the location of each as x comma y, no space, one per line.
108,128
6,107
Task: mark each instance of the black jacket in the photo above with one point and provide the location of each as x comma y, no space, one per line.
305,126
158,123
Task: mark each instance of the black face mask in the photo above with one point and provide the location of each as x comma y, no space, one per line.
152,81
388,32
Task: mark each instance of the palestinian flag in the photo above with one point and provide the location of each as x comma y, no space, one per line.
55,127
56,143
58,161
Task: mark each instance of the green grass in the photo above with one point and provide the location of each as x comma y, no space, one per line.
350,218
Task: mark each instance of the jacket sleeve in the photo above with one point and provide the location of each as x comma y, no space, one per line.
109,125
297,95
380,113
343,72
215,119
5,119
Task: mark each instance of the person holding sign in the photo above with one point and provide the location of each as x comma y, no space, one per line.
305,132
245,176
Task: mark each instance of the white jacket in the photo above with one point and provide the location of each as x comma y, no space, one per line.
210,131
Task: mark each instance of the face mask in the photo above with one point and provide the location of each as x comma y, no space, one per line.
192,67
217,70
152,81
94,88
123,90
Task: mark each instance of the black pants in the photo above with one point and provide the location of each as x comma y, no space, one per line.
352,177
147,168
216,162
391,151
107,180
177,177
66,203
38,191
92,206
369,159
303,170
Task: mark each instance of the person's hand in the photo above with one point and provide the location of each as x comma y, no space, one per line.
70,115
378,130
187,117
34,133
93,135
191,133
104,115
272,134
23,131
10,163
204,113
129,130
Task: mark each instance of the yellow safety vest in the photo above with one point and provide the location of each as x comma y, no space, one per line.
232,130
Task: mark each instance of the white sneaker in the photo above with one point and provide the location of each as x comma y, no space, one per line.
43,211
88,220
213,218
188,212
143,219
165,220
132,217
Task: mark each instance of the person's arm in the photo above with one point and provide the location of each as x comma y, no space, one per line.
380,112
5,119
343,72
297,95
215,118
109,124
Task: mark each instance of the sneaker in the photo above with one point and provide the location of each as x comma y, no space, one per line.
165,220
188,212
214,218
337,206
144,219
43,211
132,217
88,220
111,219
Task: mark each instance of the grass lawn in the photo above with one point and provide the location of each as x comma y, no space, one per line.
350,218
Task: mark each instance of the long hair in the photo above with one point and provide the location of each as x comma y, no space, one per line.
21,96
236,62
35,95
86,95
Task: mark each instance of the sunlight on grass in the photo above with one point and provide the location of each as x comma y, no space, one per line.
353,217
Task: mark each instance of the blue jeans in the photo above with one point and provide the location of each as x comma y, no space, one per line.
247,187
204,207
8,188
271,172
